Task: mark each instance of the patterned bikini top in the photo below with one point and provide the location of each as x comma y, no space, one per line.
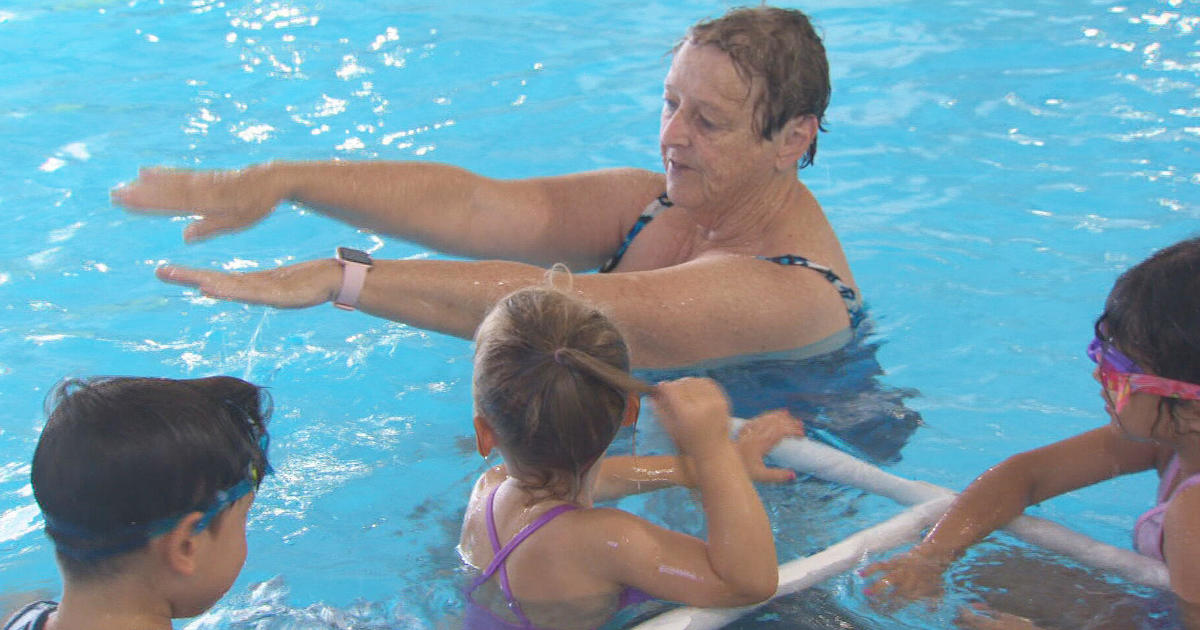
849,296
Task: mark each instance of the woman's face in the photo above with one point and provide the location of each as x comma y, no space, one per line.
710,151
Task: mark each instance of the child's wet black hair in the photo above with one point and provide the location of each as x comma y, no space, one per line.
119,453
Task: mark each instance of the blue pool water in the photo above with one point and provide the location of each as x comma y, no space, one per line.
990,171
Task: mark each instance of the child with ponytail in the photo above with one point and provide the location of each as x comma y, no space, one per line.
552,387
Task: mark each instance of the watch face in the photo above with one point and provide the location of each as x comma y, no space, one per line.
353,255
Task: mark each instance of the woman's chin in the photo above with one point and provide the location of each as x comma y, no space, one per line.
682,193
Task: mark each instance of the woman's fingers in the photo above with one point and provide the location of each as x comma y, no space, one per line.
222,201
162,191
294,286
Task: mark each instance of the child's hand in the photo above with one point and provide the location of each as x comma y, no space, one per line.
757,437
695,412
970,617
905,578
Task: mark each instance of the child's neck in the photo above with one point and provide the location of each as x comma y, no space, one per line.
110,605
581,497
1188,451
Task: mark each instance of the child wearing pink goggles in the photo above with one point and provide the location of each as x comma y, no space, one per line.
1122,377
1147,354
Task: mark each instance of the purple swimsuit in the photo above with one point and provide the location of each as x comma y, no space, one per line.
1148,530
478,617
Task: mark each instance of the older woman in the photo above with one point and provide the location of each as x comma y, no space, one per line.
727,253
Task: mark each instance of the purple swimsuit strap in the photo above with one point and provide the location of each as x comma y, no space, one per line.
1168,478
1165,494
502,553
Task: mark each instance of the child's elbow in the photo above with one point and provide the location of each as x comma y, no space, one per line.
759,589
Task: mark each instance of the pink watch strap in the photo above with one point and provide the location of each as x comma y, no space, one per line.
354,274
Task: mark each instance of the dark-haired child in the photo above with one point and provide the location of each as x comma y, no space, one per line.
144,485
552,387
1147,353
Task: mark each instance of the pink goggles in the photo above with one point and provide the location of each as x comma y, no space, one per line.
1122,377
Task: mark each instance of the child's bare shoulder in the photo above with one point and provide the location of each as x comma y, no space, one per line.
1181,542
1184,510
609,533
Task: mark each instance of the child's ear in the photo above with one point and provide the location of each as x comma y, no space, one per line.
633,406
179,549
485,438
1188,418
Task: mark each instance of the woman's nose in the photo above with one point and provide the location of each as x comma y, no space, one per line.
673,129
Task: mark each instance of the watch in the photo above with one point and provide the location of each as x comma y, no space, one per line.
355,265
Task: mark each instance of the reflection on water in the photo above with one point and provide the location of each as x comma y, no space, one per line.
266,607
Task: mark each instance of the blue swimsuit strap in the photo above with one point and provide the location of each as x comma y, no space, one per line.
32,616
848,294
661,203
502,553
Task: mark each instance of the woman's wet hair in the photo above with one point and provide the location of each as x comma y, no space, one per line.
1153,315
780,47
120,453
552,381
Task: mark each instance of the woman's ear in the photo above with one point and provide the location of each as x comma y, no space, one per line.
793,140
179,549
485,438
633,406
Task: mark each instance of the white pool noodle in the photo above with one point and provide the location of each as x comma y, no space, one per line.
830,464
802,573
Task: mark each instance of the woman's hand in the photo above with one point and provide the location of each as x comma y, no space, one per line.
222,201
905,578
294,286
695,412
759,436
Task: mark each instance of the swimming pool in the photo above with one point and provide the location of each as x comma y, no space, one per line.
989,170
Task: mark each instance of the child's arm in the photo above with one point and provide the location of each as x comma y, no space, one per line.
1000,495
624,475
737,564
